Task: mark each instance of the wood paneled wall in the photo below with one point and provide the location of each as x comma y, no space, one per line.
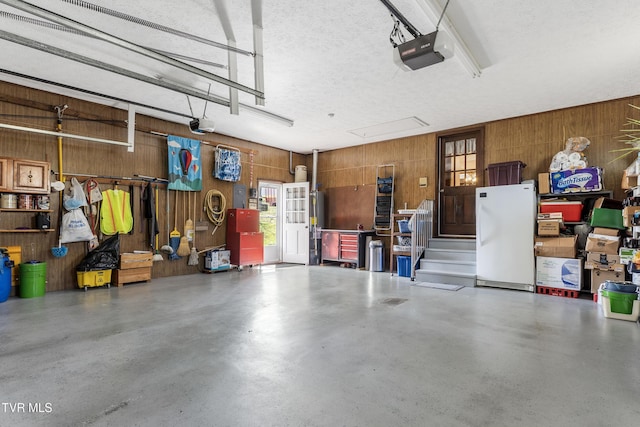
31,108
533,139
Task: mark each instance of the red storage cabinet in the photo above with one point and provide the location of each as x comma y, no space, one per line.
243,220
244,239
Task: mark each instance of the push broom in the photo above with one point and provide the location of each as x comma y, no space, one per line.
174,236
157,256
167,248
193,256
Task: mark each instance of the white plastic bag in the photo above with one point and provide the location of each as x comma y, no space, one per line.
75,198
75,227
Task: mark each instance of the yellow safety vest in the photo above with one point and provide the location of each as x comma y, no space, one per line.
115,212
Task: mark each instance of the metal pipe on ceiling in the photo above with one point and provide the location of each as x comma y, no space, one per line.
90,92
46,14
61,134
155,26
107,67
258,47
57,27
259,111
232,58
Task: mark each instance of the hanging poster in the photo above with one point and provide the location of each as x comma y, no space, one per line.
185,166
227,165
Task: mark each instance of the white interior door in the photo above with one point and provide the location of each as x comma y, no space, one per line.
270,207
295,230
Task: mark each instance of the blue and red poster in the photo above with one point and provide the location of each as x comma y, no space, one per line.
185,166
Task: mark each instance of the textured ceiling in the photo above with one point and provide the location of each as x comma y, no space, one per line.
329,68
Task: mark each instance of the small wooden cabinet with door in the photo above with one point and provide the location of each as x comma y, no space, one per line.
24,176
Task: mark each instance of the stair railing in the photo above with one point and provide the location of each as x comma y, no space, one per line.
421,225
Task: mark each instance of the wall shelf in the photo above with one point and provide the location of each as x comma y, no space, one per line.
28,230
24,210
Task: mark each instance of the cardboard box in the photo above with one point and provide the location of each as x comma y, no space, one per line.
544,183
602,243
563,273
601,276
559,247
578,180
550,215
602,261
629,181
626,255
606,231
549,227
604,202
217,260
627,215
135,260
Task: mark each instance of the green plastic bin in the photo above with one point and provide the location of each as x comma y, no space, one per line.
621,302
33,279
607,218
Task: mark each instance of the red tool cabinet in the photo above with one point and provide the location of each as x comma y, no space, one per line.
244,239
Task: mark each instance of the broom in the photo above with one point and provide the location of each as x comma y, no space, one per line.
174,236
193,256
188,224
167,248
157,256
183,249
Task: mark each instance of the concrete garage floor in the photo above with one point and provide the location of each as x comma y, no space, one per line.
313,346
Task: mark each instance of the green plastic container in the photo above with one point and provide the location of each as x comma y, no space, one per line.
607,218
621,302
33,279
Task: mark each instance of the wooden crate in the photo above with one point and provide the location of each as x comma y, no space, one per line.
130,275
132,260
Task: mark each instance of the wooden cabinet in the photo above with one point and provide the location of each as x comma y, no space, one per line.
30,176
6,168
396,248
24,176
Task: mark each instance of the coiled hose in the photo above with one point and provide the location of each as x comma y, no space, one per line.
215,216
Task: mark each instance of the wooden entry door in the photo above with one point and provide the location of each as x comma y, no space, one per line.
461,169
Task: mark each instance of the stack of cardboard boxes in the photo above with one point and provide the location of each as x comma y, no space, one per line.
557,267
602,257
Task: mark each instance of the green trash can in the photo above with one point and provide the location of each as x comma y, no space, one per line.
33,279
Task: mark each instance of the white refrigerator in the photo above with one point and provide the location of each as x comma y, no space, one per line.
505,227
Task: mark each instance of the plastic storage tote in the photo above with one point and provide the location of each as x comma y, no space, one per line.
506,173
404,266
